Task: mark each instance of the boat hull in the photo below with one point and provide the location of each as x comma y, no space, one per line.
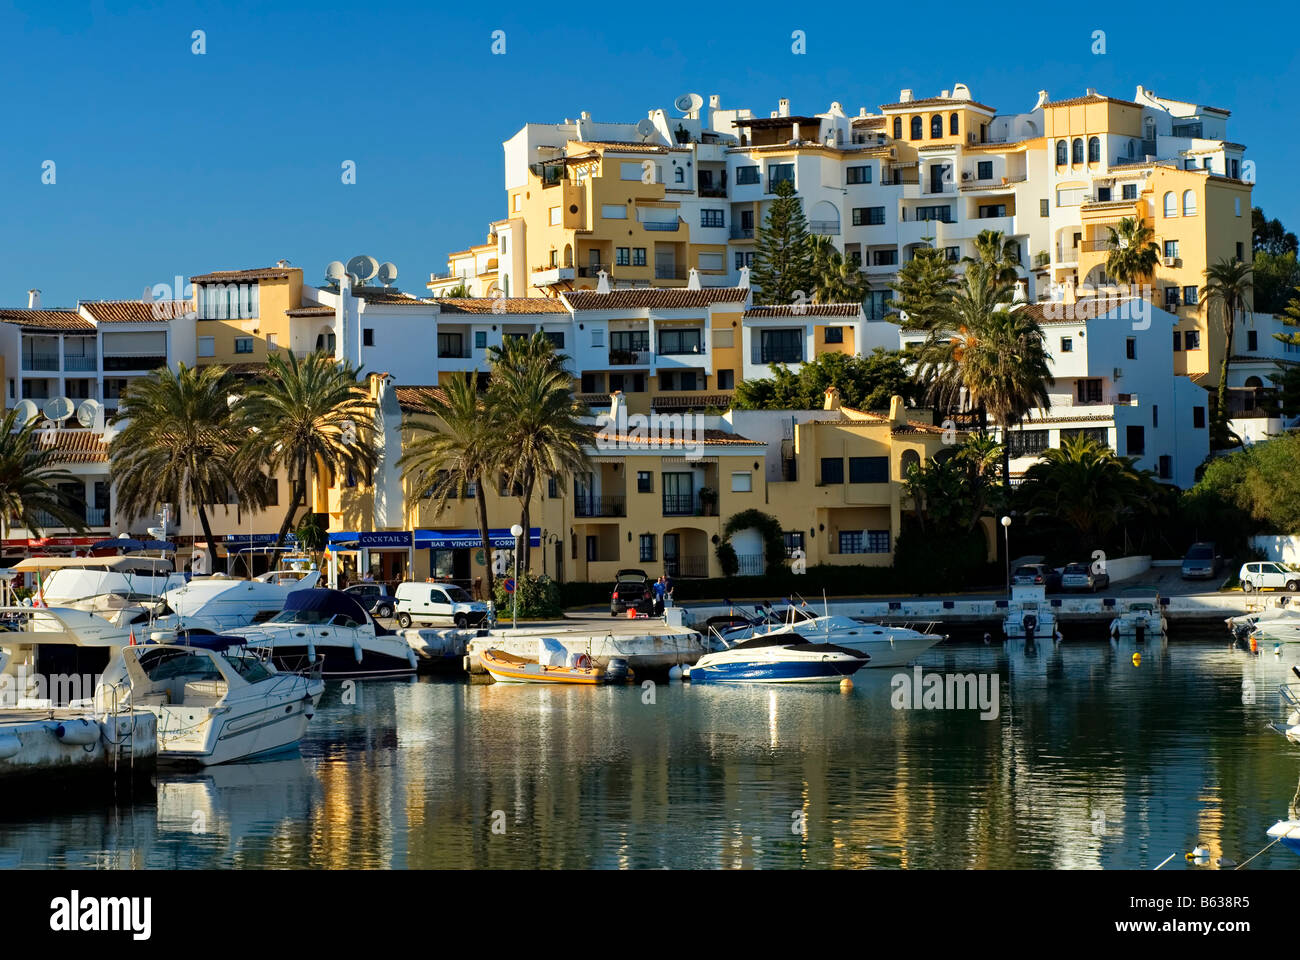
337,661
198,736
505,668
775,672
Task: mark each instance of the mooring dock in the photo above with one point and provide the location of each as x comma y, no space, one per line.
69,740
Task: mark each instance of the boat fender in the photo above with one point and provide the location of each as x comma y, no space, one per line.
308,707
410,658
356,650
80,731
311,652
674,673
10,746
582,662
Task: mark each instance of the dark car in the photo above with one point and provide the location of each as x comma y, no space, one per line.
1202,562
1037,573
374,597
632,590
1081,576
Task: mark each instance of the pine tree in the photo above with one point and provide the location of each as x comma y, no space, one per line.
783,257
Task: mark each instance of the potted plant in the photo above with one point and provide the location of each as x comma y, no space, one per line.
708,500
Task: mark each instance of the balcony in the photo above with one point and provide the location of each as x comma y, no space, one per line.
688,505
686,566
629,358
588,506
667,271
824,228
544,276
94,518
742,233
666,226
134,363
899,178
717,192
40,361
592,271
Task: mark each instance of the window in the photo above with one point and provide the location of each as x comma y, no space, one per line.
629,341
941,212
711,262
832,470
672,342
1192,340
1198,418
954,125
1103,194
951,254
1155,415
711,218
916,128
679,175
834,334
1233,171
898,128
1028,443
1069,196
449,345
1190,294
1099,434
645,481
1076,150
1135,442
984,170
884,258
552,489
793,542
868,469
556,337
480,339
936,127
780,346
368,337
1171,248
1129,191
1252,340
868,216
518,200
858,175
1166,466
1171,297
243,344
864,541
988,210
555,216
638,256
613,211
1094,150
1178,341
1239,256
630,170
1067,344
1236,205
272,343
622,256
1061,152
1088,391
851,541
1131,348
1189,203
593,549
777,172
1171,205
747,175
742,482
646,553
207,346
744,258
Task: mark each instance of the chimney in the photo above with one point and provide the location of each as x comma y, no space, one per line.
33,299
905,95
1022,292
897,418
617,408
602,285
832,401
744,278
783,107
282,263
693,281
715,101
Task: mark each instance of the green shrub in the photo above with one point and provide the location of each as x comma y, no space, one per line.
539,598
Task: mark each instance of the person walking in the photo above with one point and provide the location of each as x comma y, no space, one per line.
660,593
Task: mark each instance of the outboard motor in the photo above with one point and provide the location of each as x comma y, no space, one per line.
616,670
1140,632
1031,624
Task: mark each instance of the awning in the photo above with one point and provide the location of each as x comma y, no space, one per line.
431,539
126,543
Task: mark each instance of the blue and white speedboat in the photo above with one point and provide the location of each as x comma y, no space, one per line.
1288,831
778,658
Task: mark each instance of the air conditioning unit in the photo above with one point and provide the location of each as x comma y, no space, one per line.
893,153
1117,373
1169,261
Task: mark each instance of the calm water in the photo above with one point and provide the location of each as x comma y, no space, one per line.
1093,762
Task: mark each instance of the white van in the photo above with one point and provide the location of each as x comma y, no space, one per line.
442,603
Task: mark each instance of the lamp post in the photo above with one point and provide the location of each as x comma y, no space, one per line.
515,531
1006,548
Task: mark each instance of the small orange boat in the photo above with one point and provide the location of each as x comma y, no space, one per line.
508,668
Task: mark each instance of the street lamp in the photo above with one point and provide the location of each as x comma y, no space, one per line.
1006,548
516,531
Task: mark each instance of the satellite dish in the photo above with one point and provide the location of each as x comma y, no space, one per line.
89,413
645,129
387,273
57,409
25,411
363,267
335,270
689,102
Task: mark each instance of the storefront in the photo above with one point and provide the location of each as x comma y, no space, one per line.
384,556
392,556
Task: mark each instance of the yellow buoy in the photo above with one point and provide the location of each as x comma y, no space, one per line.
1254,645
846,684
1137,659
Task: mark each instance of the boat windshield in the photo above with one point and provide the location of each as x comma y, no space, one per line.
171,662
247,665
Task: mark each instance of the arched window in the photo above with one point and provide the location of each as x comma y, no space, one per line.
1171,205
898,128
936,127
909,459
680,174
1189,203
916,128
1094,150
954,125
1061,155
1076,150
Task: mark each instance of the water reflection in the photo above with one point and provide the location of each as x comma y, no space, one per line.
1094,760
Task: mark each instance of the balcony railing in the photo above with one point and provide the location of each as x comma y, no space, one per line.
449,354
134,363
780,356
719,192
824,228
593,270
898,179
686,566
664,225
80,363
669,272
742,233
750,565
600,507
688,505
40,361
94,518
629,358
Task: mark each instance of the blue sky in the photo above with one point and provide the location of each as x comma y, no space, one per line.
170,163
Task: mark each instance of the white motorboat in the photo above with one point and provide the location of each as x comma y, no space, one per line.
1141,620
64,581
221,602
215,700
887,646
332,626
1029,616
50,656
777,658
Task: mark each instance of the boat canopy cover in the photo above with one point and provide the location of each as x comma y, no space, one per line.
327,603
125,562
208,641
124,543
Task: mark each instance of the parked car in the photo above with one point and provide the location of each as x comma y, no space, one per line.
1080,576
374,597
442,603
1265,575
1201,562
632,589
1037,573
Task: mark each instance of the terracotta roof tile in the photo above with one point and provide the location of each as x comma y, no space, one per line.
719,400
1089,98
664,298
415,399
74,446
259,273
807,310
710,438
136,311
386,296
45,319
935,102
488,305
313,310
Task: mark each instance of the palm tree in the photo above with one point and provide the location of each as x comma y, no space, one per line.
1084,485
179,445
835,279
1132,251
537,421
308,416
29,481
452,451
996,356
1227,284
980,455
999,254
